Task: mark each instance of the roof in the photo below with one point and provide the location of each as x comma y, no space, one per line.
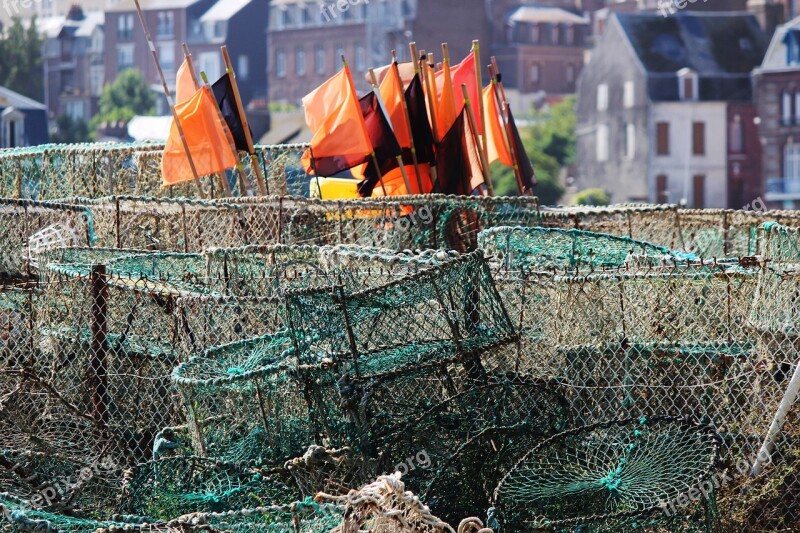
540,14
224,10
9,98
775,58
147,5
721,48
142,128
88,25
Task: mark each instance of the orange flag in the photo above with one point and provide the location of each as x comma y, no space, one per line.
393,93
340,139
446,110
462,74
206,137
496,139
184,86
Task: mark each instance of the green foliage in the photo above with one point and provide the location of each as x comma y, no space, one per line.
21,59
71,131
553,132
128,96
550,145
592,197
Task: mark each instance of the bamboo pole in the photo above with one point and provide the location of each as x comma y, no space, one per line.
376,88
190,63
251,148
431,93
471,118
171,104
243,187
508,134
408,120
476,48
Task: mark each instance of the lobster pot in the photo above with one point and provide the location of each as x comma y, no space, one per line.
446,312
249,402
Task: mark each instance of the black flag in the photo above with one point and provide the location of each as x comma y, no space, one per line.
420,125
525,166
383,140
458,161
223,92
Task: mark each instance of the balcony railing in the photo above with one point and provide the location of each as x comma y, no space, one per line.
783,188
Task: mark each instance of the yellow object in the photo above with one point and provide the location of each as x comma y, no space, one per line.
334,188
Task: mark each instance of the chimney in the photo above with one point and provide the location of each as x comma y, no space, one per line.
75,13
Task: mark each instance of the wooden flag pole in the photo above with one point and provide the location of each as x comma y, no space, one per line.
171,104
471,118
476,47
414,56
431,94
377,89
251,148
190,63
408,120
448,77
506,108
508,134
239,166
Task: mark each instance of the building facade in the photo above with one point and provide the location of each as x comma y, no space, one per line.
23,122
666,112
74,63
776,83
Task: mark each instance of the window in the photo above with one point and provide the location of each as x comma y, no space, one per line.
285,18
124,57
628,95
736,135
791,161
319,59
662,189
125,28
243,68
699,191
699,138
339,54
570,73
602,143
306,17
210,63
361,59
786,108
687,84
166,56
218,29
166,24
280,62
797,107
535,34
662,138
630,140
570,35
96,79
75,110
535,73
300,61
602,97
554,34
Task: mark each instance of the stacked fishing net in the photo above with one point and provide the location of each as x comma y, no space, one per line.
536,248
612,476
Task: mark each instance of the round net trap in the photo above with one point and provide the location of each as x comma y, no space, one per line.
615,470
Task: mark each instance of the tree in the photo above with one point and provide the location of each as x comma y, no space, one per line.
127,97
71,131
21,67
595,197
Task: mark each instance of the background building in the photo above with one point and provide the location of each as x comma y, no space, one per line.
23,122
665,110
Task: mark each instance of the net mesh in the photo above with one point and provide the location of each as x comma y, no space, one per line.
612,470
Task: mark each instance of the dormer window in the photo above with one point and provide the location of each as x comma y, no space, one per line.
687,84
792,43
